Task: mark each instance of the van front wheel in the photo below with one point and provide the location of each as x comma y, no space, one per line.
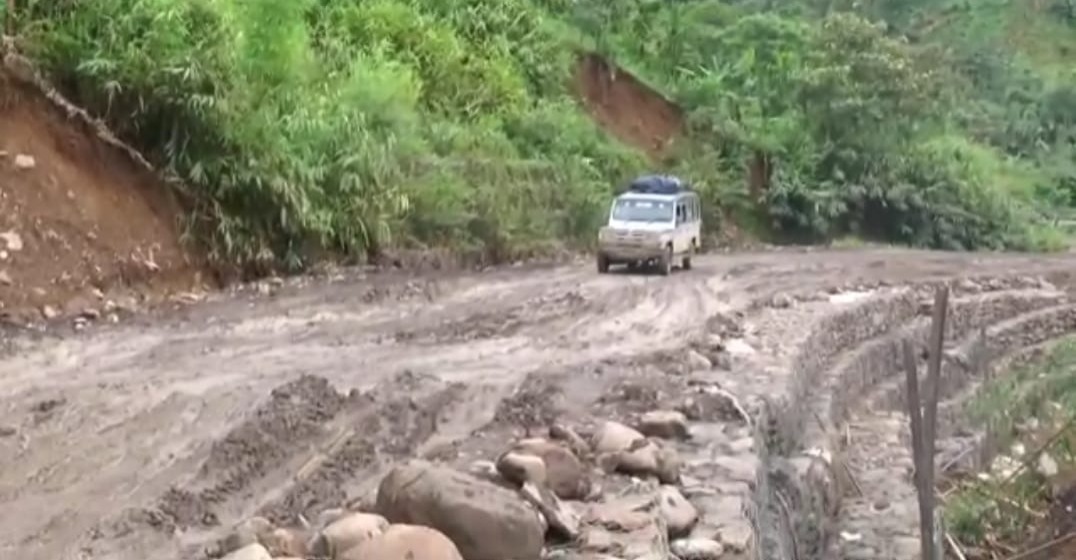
603,264
665,264
685,263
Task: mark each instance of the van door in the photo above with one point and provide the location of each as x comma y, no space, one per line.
683,222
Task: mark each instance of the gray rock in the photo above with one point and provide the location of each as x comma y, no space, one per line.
614,437
667,424
738,536
559,515
24,162
405,542
679,515
697,549
485,521
346,533
697,361
253,551
520,468
565,474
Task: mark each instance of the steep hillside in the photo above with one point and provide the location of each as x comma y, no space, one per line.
502,127
82,223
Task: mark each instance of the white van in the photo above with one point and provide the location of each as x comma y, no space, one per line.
657,221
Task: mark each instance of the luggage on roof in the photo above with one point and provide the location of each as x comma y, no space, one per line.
657,184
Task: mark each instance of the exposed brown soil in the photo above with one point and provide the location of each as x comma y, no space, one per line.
627,108
83,223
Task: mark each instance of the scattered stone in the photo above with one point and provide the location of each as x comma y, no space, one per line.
49,312
697,549
559,515
742,446
90,314
24,162
782,301
639,460
248,532
7,431
253,551
520,468
5,278
743,468
564,473
346,533
1048,466
713,404
737,537
669,465
486,521
12,241
614,437
696,361
598,539
286,542
329,516
668,424
574,441
737,347
405,542
623,515
680,516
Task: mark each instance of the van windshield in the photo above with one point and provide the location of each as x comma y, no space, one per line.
636,210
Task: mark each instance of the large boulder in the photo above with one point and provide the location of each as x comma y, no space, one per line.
485,521
405,542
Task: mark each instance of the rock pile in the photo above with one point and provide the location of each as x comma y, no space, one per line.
614,495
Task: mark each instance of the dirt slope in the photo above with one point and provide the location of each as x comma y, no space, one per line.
81,221
150,439
630,110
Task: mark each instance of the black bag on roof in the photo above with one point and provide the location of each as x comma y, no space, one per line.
657,184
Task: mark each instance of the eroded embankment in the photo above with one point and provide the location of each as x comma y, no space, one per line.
838,442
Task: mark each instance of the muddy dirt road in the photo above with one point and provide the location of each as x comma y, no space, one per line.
101,428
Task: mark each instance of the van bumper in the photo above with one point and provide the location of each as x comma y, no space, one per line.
620,253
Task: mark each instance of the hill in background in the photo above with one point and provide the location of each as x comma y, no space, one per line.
502,127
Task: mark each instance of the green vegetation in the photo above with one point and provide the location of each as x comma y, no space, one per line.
359,126
1034,406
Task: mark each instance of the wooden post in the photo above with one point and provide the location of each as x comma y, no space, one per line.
924,425
930,414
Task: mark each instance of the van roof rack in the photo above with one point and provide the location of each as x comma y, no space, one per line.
658,184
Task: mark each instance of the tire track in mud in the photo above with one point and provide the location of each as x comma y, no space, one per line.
566,335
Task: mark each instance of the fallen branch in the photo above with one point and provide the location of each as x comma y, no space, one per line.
1031,458
1046,547
955,547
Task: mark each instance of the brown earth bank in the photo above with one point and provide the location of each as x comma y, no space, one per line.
628,109
152,438
83,228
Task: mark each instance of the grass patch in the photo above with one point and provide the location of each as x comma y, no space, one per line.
1029,409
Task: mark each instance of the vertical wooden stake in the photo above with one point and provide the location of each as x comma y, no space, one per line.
924,424
916,418
930,413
